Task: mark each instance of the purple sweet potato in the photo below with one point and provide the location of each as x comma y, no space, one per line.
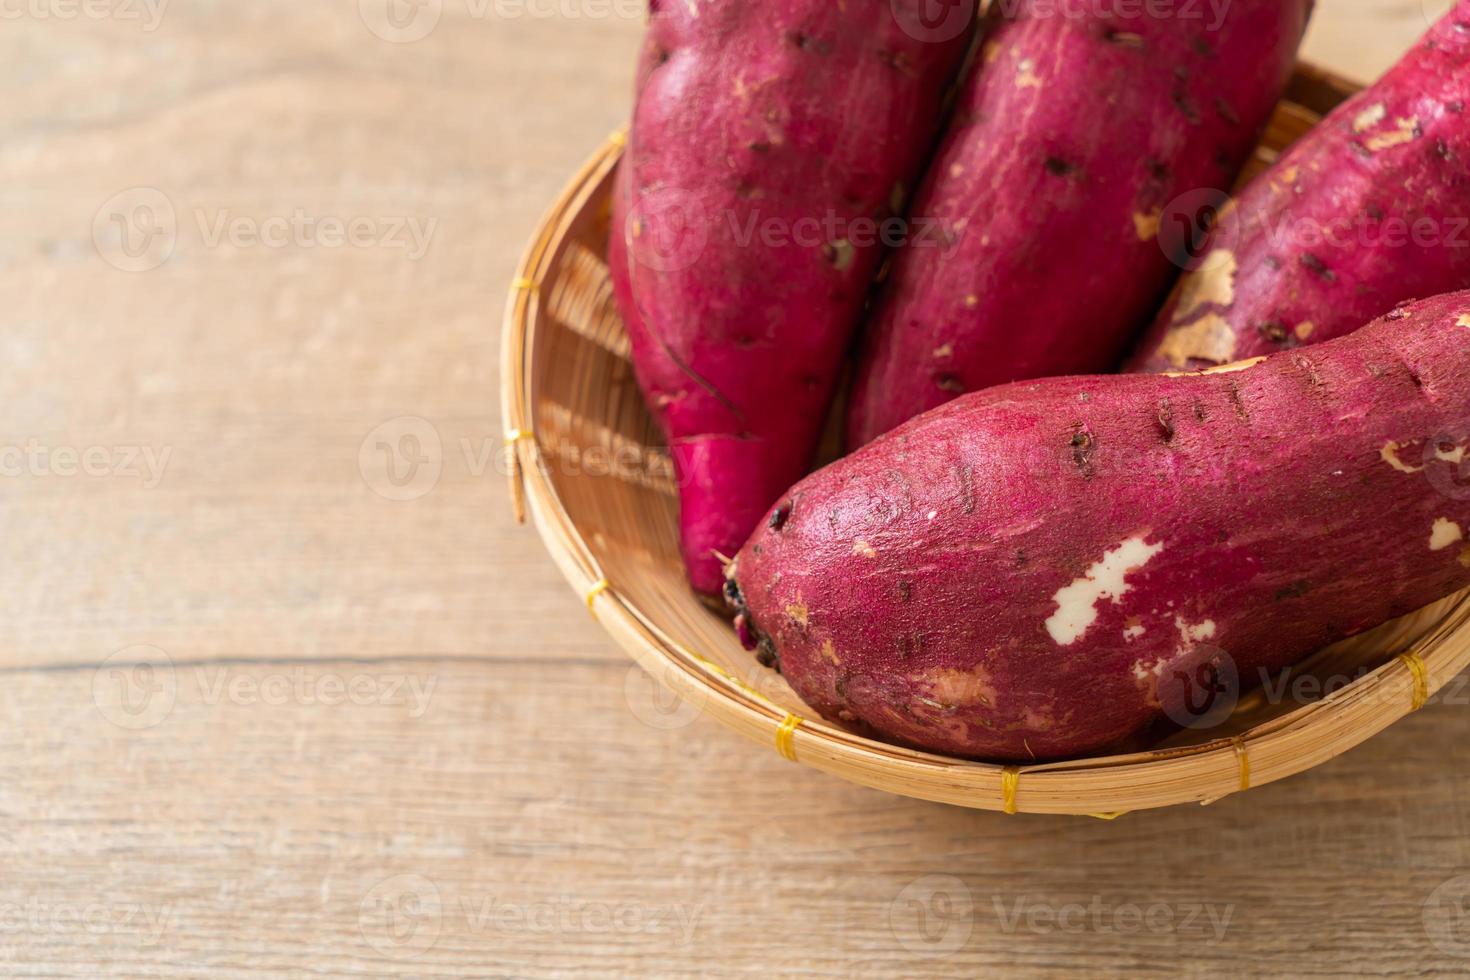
771,143
1025,572
1070,137
1368,209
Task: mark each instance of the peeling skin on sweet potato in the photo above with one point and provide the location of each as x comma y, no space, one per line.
799,115
1258,510
1324,240
1071,135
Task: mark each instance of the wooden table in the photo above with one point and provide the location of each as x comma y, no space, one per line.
276,709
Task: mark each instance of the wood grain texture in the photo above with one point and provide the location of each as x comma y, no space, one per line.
266,721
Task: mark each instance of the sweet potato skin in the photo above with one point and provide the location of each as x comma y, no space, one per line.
1368,209
1070,136
1011,575
769,139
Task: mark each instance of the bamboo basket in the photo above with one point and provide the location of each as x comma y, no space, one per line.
587,463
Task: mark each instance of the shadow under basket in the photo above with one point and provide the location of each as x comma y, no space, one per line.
589,465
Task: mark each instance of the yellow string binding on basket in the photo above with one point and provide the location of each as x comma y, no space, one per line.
1243,760
517,488
598,588
785,743
1420,670
1010,778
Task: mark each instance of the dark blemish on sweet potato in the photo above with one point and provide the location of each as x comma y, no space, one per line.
1021,557
1058,167
1273,263
1375,212
1294,591
1318,267
661,57
1083,447
1183,103
1199,411
758,146
807,43
1158,170
910,644
905,590
950,383
1397,313
898,61
1236,403
884,269
1166,421
1202,47
780,516
839,255
967,487
1274,331
766,655
1443,149
1226,112
1123,39
1308,367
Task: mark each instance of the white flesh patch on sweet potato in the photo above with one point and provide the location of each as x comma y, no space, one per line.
1233,366
1146,225
1390,454
1210,338
1212,284
1369,117
952,688
1026,76
1304,329
1107,579
1193,634
1444,533
1463,320
861,547
1406,129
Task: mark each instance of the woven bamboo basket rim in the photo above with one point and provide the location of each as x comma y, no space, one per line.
1102,786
